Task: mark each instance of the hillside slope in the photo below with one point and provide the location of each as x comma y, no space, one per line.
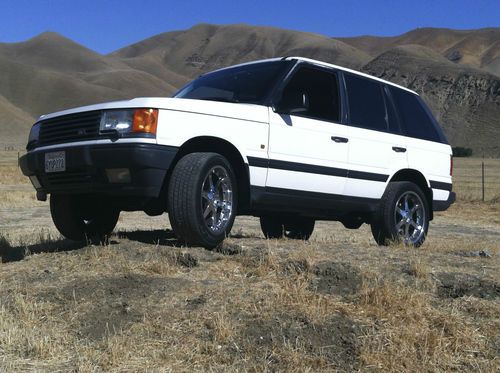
454,70
476,48
208,47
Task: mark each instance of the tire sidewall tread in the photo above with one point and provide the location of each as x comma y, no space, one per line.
382,226
184,199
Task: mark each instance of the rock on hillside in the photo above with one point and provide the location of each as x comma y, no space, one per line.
466,101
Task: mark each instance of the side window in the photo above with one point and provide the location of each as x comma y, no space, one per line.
417,122
320,87
366,103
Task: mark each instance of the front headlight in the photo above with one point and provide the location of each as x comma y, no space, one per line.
130,121
117,120
34,133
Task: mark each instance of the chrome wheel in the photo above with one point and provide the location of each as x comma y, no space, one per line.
410,218
217,199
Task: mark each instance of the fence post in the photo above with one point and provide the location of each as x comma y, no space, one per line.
482,178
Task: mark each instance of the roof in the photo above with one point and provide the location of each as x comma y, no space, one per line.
319,63
325,64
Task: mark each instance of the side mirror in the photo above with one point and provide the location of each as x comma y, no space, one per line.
293,102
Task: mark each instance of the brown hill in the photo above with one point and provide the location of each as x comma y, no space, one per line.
207,47
15,124
49,73
478,48
453,70
54,52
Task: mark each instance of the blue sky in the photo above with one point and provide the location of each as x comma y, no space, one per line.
107,25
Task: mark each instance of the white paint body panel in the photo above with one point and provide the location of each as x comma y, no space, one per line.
434,159
244,126
303,140
371,151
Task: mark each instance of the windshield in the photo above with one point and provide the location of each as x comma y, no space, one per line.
250,83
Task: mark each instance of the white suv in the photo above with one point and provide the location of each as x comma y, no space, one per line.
290,140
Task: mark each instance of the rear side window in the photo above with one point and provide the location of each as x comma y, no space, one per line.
416,119
366,103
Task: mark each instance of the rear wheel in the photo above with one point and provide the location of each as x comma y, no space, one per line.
293,227
403,215
82,218
202,198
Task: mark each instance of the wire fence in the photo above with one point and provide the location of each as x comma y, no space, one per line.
477,179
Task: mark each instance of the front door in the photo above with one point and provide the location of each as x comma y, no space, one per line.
308,147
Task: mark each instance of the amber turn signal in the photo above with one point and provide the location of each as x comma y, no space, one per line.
145,121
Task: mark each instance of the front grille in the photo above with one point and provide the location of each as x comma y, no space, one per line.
72,127
69,178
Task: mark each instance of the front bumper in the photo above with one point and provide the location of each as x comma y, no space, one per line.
86,167
444,205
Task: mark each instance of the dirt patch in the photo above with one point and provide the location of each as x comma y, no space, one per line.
333,343
456,285
296,266
196,302
336,278
114,303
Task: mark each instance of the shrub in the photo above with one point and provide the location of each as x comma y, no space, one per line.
459,151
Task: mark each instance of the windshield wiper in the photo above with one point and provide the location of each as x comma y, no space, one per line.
221,99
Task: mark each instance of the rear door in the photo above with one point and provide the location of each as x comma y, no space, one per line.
308,151
377,147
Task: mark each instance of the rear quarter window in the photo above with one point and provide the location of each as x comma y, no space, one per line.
366,103
417,120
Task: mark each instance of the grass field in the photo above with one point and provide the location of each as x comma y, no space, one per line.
335,303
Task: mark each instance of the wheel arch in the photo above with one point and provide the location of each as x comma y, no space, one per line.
416,177
226,149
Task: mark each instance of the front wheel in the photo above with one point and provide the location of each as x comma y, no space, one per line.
81,218
202,199
403,215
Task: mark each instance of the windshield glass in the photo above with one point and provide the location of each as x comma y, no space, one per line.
248,84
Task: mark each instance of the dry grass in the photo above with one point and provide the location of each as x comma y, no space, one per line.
15,188
416,335
336,303
12,175
134,307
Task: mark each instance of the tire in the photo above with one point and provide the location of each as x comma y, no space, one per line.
82,218
403,215
272,226
202,199
296,228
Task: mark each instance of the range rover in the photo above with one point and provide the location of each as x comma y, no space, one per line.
289,140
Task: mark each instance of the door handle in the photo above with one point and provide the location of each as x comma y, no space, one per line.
339,139
397,149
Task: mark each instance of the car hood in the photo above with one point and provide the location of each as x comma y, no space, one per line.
248,112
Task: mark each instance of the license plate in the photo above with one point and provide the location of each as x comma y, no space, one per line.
55,162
